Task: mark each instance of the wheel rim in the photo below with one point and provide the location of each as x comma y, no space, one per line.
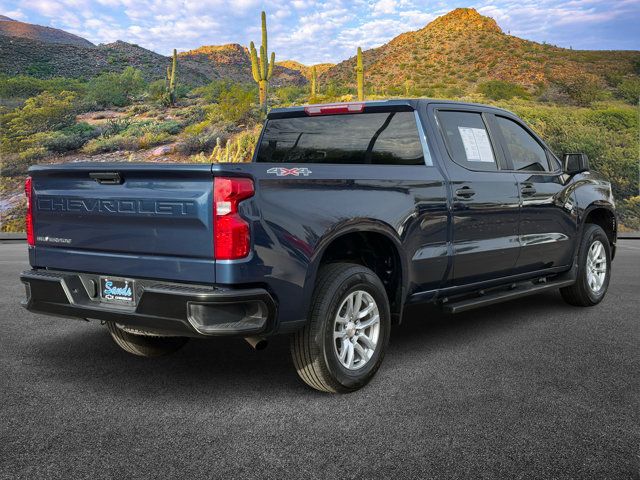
596,266
356,330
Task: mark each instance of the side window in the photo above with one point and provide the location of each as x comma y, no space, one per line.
525,152
467,139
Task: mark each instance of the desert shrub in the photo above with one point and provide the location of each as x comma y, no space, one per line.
152,138
68,139
110,144
629,212
500,90
115,89
204,141
235,104
156,91
123,134
613,118
629,90
582,90
212,91
238,148
42,113
291,94
24,86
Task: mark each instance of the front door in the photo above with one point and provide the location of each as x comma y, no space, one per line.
547,222
485,199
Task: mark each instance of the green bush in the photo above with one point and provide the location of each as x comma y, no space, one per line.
68,139
123,134
629,90
629,212
157,90
500,90
42,113
115,89
24,86
291,94
199,142
212,91
582,90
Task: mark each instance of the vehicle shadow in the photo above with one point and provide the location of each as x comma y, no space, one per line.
86,355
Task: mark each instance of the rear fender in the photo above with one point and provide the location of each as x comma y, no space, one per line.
344,228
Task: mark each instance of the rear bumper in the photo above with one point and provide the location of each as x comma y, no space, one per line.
164,308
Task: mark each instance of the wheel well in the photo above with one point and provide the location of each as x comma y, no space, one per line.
605,219
376,252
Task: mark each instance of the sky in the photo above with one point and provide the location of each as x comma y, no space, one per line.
312,31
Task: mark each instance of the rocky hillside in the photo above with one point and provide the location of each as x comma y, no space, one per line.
232,62
51,56
13,28
304,69
464,48
41,59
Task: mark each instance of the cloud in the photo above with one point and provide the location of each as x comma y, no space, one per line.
314,31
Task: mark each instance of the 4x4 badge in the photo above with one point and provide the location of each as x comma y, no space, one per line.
285,172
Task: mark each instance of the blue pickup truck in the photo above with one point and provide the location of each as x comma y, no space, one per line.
347,213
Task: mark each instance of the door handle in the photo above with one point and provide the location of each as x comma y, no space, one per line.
465,192
527,190
106,178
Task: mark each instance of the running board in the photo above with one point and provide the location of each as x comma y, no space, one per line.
504,295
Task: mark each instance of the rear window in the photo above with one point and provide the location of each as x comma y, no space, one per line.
389,138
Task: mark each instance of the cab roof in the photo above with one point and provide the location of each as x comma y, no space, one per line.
400,104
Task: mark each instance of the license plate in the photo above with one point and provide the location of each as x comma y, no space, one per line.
117,290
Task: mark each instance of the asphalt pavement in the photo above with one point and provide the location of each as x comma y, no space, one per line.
533,388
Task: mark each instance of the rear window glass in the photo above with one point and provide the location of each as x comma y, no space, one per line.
389,138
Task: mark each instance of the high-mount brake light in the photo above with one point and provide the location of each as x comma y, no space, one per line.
334,109
232,236
28,191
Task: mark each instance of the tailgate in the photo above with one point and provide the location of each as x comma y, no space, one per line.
112,218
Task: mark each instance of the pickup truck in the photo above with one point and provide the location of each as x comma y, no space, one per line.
346,214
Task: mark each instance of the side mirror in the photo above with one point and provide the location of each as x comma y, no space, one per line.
573,163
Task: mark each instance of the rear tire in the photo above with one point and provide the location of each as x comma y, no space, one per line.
144,345
594,269
343,343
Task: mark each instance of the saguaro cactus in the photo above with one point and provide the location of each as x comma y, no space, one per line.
262,68
360,75
314,79
172,79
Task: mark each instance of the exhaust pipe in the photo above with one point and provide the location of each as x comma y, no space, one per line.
257,343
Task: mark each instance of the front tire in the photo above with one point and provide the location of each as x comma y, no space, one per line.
594,269
144,345
343,343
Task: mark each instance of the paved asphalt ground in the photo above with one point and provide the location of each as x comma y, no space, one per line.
529,389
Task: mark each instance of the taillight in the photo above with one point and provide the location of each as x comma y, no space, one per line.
31,241
334,109
232,238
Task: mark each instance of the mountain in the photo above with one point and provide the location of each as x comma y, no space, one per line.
33,57
49,52
463,48
448,57
304,69
13,28
233,62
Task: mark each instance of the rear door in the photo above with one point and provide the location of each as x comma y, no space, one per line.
547,222
485,199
